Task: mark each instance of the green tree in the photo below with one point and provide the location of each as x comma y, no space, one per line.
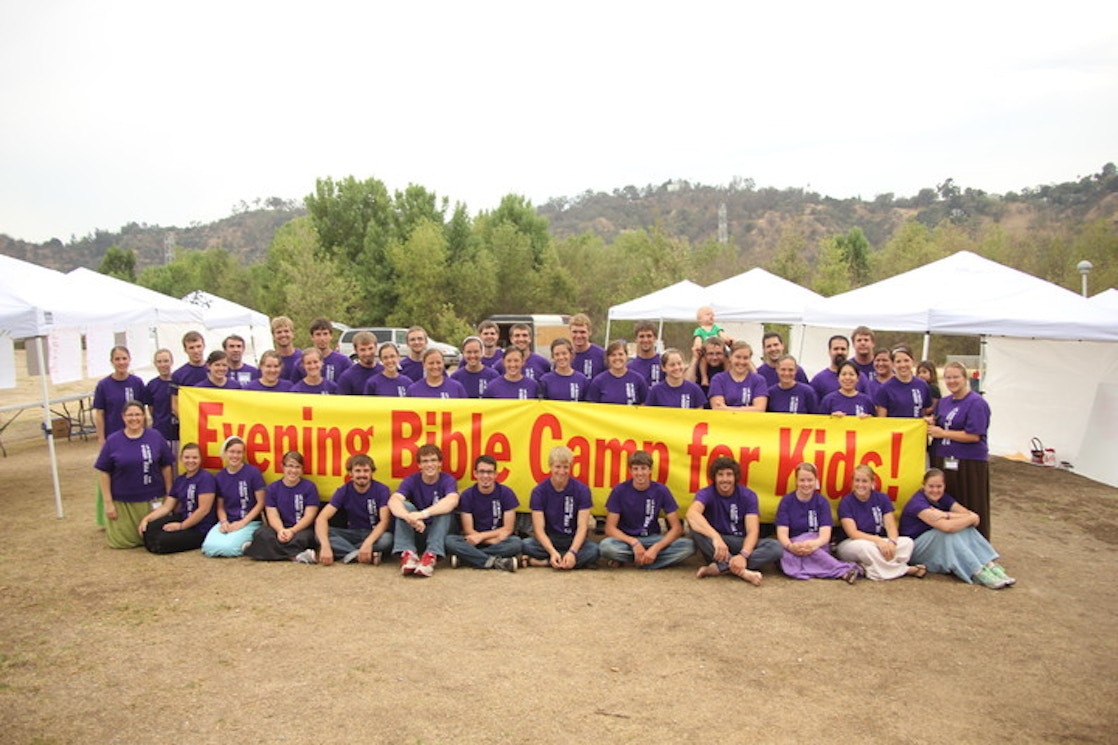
789,260
854,252
832,274
119,263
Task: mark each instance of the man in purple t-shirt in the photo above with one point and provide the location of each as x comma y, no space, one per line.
193,371
633,521
561,517
488,514
234,346
726,525
423,504
646,362
367,534
535,365
589,358
352,381
772,349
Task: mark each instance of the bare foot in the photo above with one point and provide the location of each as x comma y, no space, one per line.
917,570
708,570
752,577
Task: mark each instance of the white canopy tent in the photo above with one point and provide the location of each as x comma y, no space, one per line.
678,302
1106,299
36,302
224,317
173,317
967,294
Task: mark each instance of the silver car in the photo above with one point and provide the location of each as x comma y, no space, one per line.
399,337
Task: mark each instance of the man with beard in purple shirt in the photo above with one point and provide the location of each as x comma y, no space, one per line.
352,381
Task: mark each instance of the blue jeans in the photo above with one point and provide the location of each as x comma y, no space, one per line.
480,555
765,552
587,553
432,539
345,540
617,550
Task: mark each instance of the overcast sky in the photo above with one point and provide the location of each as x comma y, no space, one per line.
161,113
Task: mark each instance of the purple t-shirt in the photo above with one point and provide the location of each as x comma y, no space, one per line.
282,386
649,368
560,507
768,372
488,510
292,367
856,405
727,514
136,465
237,491
230,384
475,383
186,490
323,387
869,516
493,361
687,395
189,375
628,389
334,364
804,517
352,381
590,362
971,414
447,389
639,511
157,395
362,511
111,395
423,495
291,501
244,374
381,385
906,400
826,381
911,524
865,368
738,393
412,368
556,387
799,399
523,389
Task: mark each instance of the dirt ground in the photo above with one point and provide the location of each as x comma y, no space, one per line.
104,646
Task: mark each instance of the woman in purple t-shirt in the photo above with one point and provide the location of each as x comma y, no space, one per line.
618,384
217,372
739,388
803,527
181,522
290,507
867,517
958,431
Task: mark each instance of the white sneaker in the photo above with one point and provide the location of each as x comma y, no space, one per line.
305,557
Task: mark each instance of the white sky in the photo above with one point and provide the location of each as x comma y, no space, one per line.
163,113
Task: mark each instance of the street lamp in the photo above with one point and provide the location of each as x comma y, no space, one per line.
1084,268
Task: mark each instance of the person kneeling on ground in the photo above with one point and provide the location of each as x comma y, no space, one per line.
726,526
633,521
488,514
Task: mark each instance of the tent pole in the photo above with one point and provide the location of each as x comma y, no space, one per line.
927,345
48,431
608,319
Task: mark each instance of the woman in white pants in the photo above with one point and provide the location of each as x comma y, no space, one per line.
872,538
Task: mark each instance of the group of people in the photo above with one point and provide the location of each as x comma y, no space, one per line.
233,512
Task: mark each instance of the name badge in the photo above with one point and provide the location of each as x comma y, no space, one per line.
951,464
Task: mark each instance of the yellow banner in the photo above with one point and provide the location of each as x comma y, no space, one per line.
520,434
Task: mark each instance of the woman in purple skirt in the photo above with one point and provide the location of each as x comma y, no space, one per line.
803,527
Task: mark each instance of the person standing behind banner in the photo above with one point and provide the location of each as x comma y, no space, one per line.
367,534
848,400
135,475
560,518
867,517
618,384
239,370
513,384
240,501
789,396
926,371
803,527
739,388
882,371
312,381
646,362
271,366
726,526
674,390
904,395
157,397
283,334
290,506
490,334
435,383
352,381
563,383
186,515
217,365
471,373
389,381
958,431
589,358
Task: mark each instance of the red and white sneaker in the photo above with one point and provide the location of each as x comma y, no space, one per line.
409,562
426,565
